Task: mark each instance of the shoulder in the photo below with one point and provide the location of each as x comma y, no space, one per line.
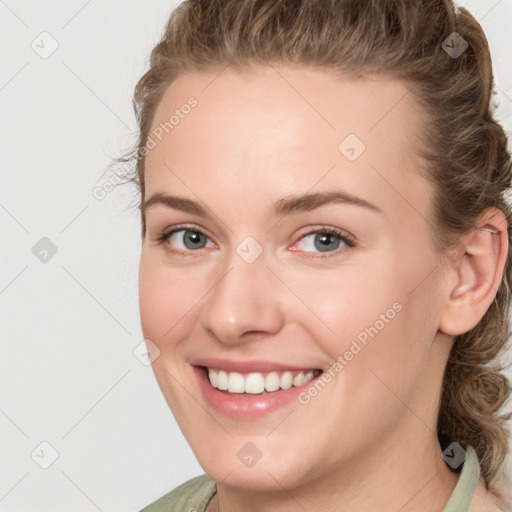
193,494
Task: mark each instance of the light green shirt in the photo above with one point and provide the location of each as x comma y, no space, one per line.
194,495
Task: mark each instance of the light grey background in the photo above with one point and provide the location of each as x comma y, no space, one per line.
69,376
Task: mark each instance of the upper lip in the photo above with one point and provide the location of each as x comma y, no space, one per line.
248,366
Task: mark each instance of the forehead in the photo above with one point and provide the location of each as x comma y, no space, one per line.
281,129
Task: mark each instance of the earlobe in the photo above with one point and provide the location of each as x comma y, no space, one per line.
476,275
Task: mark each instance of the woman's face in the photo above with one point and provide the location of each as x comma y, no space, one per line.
294,226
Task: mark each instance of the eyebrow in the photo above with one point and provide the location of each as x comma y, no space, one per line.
285,206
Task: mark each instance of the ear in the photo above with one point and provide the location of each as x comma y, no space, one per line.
474,276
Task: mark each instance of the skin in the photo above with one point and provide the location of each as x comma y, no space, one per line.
367,441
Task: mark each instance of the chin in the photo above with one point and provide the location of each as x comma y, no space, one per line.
253,463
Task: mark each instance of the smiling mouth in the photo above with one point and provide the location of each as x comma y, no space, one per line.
255,383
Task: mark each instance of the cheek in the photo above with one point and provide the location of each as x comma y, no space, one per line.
339,306
167,300
379,319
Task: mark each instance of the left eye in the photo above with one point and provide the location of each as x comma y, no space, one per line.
323,241
189,239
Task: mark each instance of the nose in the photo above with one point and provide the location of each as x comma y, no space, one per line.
243,304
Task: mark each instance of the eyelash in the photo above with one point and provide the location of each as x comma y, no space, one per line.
162,236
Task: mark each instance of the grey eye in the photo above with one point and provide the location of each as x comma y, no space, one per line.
321,242
189,239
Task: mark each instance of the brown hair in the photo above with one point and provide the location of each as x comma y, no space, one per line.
466,149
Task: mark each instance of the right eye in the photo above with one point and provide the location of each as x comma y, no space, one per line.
185,239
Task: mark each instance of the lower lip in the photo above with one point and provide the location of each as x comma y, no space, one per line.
246,405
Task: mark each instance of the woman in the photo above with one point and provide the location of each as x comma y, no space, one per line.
325,268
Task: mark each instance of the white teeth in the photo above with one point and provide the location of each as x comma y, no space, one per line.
222,381
286,380
214,378
298,380
271,381
236,383
255,383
